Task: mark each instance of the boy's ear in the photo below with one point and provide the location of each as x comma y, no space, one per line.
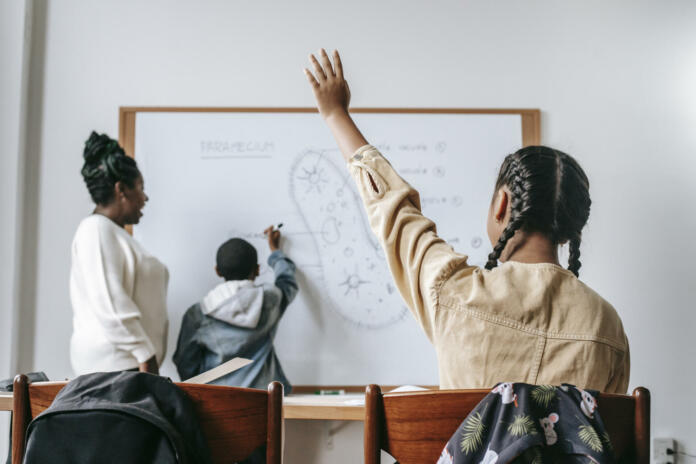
258,269
217,272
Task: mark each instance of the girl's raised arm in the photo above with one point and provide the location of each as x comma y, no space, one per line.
333,96
418,259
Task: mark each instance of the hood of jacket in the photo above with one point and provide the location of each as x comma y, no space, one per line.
237,302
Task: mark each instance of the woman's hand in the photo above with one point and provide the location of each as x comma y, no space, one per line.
333,96
149,366
330,88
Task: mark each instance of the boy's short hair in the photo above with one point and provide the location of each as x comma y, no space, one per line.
236,259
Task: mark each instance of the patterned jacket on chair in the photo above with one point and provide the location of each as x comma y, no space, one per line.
522,423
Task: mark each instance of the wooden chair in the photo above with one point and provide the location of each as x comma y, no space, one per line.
235,421
415,427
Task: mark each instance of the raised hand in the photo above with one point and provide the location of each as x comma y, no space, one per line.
330,88
333,97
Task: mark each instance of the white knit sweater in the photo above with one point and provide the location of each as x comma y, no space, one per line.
118,293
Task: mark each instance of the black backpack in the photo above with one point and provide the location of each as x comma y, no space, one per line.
117,417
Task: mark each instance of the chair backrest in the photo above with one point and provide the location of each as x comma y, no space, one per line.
235,421
415,427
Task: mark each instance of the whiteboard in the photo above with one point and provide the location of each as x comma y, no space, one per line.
211,176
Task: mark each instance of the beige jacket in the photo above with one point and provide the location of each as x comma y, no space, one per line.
533,323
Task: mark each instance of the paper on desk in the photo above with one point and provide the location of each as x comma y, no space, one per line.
217,372
356,402
407,388
401,389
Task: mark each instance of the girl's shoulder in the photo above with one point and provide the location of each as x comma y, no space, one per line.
556,278
567,297
542,283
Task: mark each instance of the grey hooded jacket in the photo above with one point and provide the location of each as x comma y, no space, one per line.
238,319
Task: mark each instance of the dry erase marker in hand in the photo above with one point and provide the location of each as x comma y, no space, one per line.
277,227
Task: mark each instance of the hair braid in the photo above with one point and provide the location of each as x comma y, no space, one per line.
574,256
506,235
572,207
517,212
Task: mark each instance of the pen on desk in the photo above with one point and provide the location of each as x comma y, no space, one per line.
330,392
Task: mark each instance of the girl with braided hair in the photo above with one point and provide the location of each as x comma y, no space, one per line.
117,289
548,196
526,320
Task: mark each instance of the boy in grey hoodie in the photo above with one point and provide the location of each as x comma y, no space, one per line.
239,318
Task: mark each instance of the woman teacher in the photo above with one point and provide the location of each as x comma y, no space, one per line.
117,289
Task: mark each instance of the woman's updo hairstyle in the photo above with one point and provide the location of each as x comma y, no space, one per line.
105,164
549,194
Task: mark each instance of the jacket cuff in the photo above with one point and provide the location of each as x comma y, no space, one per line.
373,174
143,352
275,256
361,152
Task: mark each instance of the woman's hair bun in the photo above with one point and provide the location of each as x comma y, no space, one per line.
99,146
105,164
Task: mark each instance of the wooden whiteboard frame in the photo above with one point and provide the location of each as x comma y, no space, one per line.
531,118
531,135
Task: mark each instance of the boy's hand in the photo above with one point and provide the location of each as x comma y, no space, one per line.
330,88
273,236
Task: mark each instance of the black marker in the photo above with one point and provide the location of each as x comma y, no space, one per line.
277,227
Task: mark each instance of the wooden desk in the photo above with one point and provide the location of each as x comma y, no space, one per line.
5,401
350,407
302,406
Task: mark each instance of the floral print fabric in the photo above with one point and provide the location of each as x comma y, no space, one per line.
522,423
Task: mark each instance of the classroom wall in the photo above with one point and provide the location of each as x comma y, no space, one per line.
614,81
13,45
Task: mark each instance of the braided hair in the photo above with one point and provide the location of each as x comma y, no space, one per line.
105,164
549,194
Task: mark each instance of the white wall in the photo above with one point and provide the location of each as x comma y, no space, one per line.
615,82
14,41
